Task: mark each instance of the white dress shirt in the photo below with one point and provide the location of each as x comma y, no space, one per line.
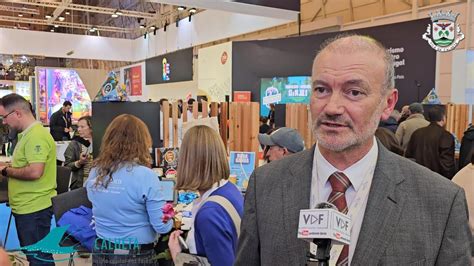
359,173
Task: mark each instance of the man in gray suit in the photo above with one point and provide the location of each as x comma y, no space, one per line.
402,213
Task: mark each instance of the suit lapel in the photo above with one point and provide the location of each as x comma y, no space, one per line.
383,210
296,196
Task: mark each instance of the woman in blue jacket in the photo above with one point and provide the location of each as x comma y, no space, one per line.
203,167
126,196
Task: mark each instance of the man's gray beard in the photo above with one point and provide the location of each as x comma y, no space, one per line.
354,142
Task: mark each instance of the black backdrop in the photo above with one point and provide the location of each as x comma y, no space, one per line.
253,60
105,112
180,63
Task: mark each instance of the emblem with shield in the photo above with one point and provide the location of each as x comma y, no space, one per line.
443,34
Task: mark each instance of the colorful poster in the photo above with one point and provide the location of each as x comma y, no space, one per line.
132,79
280,90
242,165
136,81
111,90
57,86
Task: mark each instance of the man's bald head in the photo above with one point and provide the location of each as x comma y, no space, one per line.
348,44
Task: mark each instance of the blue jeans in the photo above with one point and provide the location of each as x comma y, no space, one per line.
31,228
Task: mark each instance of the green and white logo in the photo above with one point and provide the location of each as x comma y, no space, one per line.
443,34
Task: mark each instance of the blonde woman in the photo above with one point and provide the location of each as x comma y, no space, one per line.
126,196
203,167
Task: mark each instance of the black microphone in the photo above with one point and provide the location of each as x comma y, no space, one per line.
323,252
324,226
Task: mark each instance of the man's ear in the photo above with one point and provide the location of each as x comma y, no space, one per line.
390,99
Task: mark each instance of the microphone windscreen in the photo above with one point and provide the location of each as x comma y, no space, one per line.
325,205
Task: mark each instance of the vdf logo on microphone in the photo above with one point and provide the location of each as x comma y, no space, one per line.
324,224
313,219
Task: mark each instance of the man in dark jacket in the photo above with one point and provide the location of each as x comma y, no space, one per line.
467,147
60,122
433,146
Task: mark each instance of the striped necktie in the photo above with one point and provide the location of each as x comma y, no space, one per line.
340,183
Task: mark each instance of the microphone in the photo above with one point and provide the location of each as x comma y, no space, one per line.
324,226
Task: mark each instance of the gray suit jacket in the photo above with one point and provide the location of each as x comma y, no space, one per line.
413,215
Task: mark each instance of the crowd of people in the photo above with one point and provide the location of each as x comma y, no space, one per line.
389,172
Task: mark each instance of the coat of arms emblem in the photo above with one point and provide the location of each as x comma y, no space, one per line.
443,34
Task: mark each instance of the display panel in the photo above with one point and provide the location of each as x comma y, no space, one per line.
58,85
281,90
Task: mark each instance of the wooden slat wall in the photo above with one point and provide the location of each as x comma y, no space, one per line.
457,118
298,116
195,110
214,109
166,124
174,115
184,115
204,109
224,122
243,127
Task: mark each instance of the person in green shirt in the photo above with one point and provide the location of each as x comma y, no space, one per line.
31,175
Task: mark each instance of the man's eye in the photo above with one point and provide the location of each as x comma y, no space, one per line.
320,89
355,93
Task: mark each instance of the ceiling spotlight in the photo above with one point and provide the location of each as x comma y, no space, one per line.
61,18
20,15
68,13
93,29
15,27
192,10
142,26
51,30
117,13
152,28
181,8
48,16
56,26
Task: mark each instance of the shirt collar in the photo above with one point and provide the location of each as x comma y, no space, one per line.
356,172
24,132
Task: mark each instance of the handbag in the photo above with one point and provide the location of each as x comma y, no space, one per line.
184,259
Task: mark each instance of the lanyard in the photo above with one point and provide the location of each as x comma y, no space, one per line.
190,240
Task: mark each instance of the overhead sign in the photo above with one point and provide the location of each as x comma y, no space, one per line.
172,67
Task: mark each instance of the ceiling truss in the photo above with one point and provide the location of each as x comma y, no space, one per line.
128,24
